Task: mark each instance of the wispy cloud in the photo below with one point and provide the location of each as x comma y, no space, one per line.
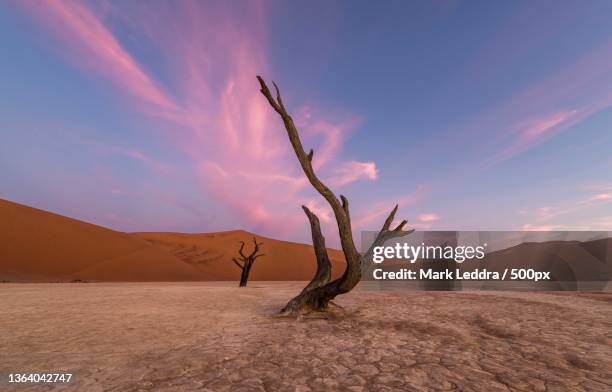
351,171
372,217
537,111
160,168
530,227
541,126
599,197
428,217
215,113
94,47
528,134
542,216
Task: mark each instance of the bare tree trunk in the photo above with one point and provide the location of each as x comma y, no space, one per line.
244,276
317,294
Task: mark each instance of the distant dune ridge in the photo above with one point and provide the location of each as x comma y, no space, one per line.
570,263
39,246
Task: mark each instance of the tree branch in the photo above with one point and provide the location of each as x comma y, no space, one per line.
385,235
237,263
256,249
323,272
345,207
241,250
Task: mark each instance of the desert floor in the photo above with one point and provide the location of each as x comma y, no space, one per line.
217,337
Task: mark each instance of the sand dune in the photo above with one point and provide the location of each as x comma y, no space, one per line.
147,264
572,264
211,254
40,246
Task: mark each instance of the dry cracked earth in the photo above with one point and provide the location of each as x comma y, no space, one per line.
217,337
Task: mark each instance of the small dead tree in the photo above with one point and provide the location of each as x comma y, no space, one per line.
316,296
245,263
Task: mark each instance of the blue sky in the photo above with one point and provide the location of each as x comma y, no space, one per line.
471,115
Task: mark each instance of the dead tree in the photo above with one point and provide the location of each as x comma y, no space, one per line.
315,297
246,262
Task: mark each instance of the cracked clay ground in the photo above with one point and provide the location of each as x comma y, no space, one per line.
217,337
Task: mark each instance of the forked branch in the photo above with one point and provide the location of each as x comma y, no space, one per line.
385,234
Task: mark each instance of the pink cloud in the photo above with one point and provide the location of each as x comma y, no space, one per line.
542,215
568,83
93,46
543,125
372,217
528,134
599,197
428,217
159,167
604,223
351,171
320,209
529,227
215,113
547,212
535,114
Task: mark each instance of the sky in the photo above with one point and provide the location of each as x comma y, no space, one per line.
147,116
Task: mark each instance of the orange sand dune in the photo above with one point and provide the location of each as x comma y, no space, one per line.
41,246
211,254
